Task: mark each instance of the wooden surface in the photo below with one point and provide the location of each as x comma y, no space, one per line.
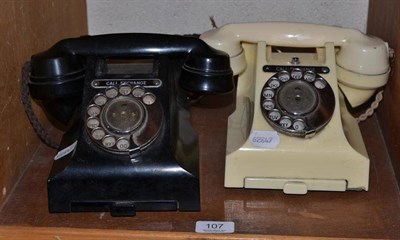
27,27
383,21
321,214
38,233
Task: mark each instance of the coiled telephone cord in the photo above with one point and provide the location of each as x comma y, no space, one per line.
374,105
27,103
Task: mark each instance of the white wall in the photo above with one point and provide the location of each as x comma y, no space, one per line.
192,16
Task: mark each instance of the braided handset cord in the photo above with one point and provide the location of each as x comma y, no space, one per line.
26,101
374,105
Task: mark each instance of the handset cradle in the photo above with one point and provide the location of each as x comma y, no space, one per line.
291,129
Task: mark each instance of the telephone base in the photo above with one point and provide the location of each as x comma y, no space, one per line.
124,196
297,171
91,180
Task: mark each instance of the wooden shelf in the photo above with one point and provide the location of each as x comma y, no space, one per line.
369,214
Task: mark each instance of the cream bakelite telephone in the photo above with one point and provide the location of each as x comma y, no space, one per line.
291,129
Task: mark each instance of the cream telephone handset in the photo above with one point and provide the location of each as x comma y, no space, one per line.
291,129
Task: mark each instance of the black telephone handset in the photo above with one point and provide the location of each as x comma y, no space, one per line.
130,146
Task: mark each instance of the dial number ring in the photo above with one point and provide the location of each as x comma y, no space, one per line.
297,102
118,120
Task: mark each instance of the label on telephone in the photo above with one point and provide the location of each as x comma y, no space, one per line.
265,139
66,151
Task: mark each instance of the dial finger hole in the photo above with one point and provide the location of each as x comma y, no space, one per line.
274,115
111,92
98,133
125,90
309,76
274,83
149,99
268,104
138,92
93,111
285,122
268,93
92,123
320,83
284,76
100,100
299,125
123,144
108,141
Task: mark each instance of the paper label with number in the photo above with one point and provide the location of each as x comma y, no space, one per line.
65,151
215,227
264,139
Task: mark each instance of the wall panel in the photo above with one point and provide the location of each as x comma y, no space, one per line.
383,21
27,27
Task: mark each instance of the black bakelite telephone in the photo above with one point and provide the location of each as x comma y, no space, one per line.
126,97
